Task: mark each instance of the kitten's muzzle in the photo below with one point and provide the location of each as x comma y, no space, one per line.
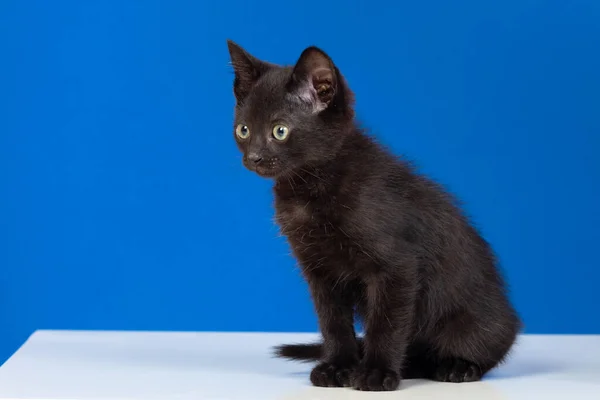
254,158
256,162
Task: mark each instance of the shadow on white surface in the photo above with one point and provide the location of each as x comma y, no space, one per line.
522,369
410,389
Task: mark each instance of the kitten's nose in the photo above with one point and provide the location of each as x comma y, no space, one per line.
254,157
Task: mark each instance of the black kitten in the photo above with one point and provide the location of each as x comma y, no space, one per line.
373,237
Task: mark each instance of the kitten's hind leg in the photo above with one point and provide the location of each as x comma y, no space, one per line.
456,370
465,352
422,363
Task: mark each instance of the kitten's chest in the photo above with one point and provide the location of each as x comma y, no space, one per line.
305,204
304,218
315,231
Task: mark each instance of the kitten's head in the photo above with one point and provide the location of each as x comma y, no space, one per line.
288,117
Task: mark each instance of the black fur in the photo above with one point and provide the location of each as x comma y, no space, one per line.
373,237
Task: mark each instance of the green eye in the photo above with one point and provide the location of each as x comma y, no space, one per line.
242,131
280,132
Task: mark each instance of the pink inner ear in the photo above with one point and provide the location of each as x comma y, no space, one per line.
322,75
307,93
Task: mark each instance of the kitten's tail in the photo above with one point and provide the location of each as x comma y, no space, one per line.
300,352
305,352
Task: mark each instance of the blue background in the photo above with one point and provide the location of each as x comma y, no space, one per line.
124,204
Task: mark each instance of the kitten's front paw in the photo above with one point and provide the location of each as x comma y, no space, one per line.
331,375
375,379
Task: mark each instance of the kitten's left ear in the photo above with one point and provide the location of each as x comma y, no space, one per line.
247,68
314,78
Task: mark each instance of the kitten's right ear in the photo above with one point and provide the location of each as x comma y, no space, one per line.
247,70
314,79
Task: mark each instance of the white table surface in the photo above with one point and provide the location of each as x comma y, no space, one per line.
71,365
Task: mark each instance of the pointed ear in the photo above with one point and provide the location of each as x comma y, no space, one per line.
314,79
247,70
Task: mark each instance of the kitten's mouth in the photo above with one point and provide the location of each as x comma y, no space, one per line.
265,168
266,172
